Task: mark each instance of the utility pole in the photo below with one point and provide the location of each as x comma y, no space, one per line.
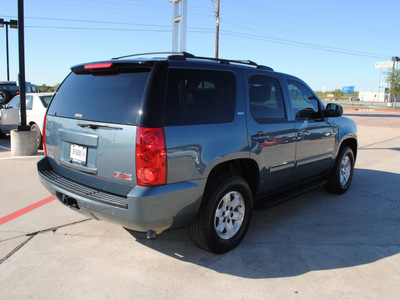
12,24
217,29
395,59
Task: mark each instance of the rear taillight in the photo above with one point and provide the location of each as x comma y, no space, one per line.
151,156
44,135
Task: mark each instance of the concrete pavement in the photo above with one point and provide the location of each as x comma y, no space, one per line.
317,246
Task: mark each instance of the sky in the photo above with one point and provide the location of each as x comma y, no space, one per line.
327,43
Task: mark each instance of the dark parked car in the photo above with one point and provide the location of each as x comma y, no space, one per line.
9,89
159,143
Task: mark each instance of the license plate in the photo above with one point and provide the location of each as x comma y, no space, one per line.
78,153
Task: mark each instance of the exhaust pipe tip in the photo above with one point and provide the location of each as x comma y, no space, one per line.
151,235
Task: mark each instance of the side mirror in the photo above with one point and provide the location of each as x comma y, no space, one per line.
333,110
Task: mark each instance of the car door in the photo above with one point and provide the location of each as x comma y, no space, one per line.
315,137
270,132
12,108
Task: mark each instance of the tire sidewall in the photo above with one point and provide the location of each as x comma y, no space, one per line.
346,152
38,138
233,184
5,97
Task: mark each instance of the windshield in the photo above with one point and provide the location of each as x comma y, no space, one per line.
110,99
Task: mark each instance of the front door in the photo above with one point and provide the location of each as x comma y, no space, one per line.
315,137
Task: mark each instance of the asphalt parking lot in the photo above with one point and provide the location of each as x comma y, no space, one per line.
317,246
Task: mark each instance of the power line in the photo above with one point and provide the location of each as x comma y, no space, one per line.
303,45
114,29
278,38
98,28
265,38
103,22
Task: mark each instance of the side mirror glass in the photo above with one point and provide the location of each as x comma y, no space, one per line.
334,110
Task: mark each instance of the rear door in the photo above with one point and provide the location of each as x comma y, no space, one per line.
271,133
91,126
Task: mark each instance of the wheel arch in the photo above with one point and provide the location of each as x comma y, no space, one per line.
246,168
352,143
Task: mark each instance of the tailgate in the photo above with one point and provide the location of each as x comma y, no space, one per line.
91,125
101,157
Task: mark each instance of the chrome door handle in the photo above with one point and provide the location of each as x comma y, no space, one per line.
259,138
303,133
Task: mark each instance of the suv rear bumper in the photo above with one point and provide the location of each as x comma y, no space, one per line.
145,208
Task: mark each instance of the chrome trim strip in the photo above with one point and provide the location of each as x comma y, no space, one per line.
313,159
281,167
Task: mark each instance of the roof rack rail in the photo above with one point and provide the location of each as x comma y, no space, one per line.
221,60
186,55
170,54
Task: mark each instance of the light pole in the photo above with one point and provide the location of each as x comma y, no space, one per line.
12,24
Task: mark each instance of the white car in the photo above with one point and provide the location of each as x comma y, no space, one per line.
36,105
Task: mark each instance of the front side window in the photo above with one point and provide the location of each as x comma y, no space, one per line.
304,103
266,101
200,97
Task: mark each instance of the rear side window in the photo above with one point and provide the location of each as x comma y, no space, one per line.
266,101
110,99
45,100
29,102
200,97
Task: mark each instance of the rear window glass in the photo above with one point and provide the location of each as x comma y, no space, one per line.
200,97
46,100
110,99
9,87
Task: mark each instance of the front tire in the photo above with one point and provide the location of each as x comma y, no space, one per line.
224,216
339,179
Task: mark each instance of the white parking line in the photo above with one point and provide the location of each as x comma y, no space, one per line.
16,157
6,148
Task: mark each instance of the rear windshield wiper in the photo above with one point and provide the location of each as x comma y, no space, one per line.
95,125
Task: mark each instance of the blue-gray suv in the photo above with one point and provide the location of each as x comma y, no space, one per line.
155,143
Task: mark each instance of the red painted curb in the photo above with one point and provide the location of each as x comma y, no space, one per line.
25,210
372,109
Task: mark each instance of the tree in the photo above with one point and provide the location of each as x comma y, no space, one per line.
338,93
393,78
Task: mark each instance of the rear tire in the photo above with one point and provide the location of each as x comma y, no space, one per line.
4,96
2,134
339,179
224,216
39,139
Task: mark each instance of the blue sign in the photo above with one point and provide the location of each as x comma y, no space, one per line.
348,89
